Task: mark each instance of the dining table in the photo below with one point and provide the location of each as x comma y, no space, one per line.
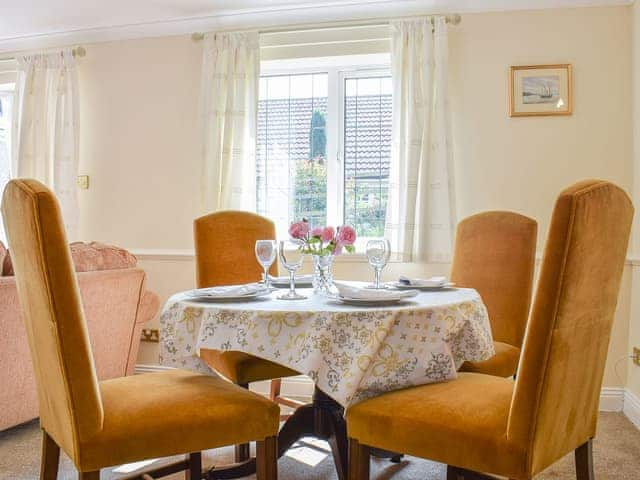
350,352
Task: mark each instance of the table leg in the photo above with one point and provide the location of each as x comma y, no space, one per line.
323,418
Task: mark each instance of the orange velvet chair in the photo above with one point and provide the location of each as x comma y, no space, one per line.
121,420
485,423
225,255
495,254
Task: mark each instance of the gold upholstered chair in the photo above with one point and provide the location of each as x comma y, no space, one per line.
225,255
495,254
122,420
485,423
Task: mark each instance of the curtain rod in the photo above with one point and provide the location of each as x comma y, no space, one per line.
77,52
453,19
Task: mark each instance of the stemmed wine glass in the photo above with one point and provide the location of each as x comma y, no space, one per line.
266,251
291,256
378,253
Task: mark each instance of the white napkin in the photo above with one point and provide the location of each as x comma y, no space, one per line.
227,291
298,278
423,282
358,293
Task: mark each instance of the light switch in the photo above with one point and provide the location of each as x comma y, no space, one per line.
83,182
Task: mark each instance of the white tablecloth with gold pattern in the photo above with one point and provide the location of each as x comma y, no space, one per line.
351,353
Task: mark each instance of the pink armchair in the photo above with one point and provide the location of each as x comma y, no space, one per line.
116,305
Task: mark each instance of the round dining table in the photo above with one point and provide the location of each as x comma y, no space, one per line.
350,352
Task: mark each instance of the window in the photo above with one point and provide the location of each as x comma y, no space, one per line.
324,146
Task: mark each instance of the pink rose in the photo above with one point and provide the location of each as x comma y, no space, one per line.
346,235
316,232
299,230
327,234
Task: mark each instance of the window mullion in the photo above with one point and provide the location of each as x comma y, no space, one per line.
334,154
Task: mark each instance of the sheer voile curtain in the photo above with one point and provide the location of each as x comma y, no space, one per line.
420,215
46,127
230,79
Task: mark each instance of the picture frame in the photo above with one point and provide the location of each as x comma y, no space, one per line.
540,90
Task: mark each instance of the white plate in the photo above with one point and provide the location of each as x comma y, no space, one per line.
403,286
383,300
369,302
196,295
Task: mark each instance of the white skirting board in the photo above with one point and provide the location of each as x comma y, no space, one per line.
612,399
631,407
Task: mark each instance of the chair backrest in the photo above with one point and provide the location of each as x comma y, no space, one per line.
554,408
68,392
225,247
495,254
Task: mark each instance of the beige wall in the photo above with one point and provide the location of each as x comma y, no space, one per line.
140,137
633,371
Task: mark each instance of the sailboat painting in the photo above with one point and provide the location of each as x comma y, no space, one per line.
540,89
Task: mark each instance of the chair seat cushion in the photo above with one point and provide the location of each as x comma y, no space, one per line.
462,422
242,368
503,364
168,413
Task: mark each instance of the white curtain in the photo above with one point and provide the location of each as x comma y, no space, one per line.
231,70
420,209
46,127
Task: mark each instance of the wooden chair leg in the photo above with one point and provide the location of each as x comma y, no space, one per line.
276,397
242,451
195,467
267,459
95,475
453,473
584,461
276,386
50,458
359,461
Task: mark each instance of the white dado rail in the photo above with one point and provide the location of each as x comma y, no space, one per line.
189,255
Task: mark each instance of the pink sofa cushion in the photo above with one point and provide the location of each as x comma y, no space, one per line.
89,257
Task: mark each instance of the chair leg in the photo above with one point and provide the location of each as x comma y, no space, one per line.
276,386
50,458
267,459
584,461
195,467
359,460
95,475
452,473
242,451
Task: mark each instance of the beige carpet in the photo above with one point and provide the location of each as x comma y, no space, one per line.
616,452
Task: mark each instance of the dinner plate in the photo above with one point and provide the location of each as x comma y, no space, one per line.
367,302
404,286
196,295
385,300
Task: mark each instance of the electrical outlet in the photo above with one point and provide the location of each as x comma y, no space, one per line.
83,182
636,356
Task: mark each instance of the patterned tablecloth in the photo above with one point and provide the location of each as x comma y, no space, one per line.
351,353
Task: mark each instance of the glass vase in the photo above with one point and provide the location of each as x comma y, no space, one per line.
323,274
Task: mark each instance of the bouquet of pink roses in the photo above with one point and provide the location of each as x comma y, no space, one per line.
323,241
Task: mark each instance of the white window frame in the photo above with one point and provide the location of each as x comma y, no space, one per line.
360,67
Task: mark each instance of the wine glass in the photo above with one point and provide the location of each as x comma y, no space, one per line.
291,256
378,252
266,251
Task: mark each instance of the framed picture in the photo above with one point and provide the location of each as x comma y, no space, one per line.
538,90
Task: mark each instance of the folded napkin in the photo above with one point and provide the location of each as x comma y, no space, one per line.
359,293
298,278
423,282
228,290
